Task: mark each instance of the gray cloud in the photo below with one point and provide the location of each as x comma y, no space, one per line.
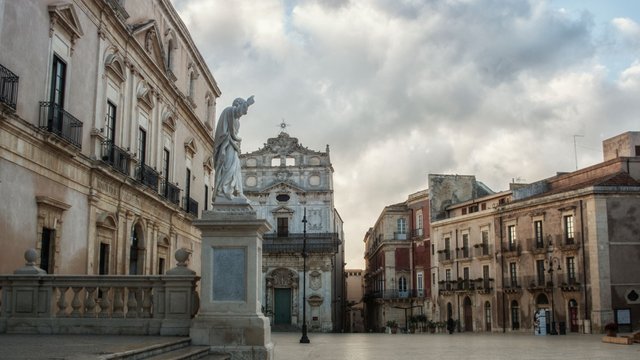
400,89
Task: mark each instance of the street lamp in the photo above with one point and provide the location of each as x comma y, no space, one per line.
304,339
553,310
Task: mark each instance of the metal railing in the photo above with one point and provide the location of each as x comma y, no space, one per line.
482,250
115,156
190,206
395,294
8,87
56,120
294,242
148,176
169,191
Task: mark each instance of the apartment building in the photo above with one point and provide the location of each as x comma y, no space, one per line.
553,256
397,285
106,121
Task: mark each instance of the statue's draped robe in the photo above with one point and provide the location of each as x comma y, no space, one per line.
228,177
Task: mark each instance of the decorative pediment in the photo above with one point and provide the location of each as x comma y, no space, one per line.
65,16
284,145
282,210
145,94
208,164
106,220
114,65
168,120
190,146
148,34
283,187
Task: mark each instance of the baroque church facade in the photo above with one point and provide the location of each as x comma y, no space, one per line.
288,184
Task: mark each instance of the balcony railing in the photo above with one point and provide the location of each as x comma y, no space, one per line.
146,175
293,243
512,249
536,246
8,87
480,250
445,255
399,236
169,191
190,206
463,252
56,120
418,232
390,294
115,156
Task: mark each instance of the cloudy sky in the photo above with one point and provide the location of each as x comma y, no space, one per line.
401,89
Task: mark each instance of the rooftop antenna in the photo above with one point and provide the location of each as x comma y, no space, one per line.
575,151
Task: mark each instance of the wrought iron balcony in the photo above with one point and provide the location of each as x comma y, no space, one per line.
115,156
146,175
8,87
293,243
56,120
169,191
463,252
190,206
391,294
445,255
480,250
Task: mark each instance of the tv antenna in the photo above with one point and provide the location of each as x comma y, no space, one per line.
575,151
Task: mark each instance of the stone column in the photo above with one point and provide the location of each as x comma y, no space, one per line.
230,318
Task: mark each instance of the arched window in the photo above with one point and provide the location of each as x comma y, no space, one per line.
136,251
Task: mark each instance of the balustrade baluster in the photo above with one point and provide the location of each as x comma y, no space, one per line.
76,304
62,301
105,304
118,303
146,303
90,302
132,304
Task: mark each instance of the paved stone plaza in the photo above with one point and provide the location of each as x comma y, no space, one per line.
344,347
444,347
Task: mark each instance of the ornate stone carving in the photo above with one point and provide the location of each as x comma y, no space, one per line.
315,280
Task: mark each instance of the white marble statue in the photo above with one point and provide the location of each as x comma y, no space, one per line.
226,149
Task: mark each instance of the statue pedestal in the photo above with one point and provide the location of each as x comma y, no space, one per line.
230,319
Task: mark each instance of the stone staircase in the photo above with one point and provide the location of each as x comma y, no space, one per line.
171,350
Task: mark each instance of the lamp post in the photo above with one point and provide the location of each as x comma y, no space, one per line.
553,310
304,339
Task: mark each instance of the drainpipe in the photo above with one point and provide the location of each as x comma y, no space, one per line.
504,313
584,266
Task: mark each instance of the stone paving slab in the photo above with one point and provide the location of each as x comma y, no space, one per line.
449,347
344,346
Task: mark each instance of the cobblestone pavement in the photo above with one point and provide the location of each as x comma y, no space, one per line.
345,346
444,347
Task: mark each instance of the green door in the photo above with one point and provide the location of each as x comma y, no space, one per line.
282,306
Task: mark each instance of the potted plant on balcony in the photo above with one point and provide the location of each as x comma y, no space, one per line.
393,325
611,329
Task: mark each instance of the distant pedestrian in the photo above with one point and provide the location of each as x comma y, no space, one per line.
450,325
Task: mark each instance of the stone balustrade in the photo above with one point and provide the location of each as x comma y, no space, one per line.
32,301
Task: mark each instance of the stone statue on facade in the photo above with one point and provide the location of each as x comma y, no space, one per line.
226,151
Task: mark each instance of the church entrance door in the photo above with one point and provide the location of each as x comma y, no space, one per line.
282,308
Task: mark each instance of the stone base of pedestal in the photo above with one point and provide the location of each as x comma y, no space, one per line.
230,320
242,337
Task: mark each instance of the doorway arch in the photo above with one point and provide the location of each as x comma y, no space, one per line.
573,315
487,316
136,250
468,314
